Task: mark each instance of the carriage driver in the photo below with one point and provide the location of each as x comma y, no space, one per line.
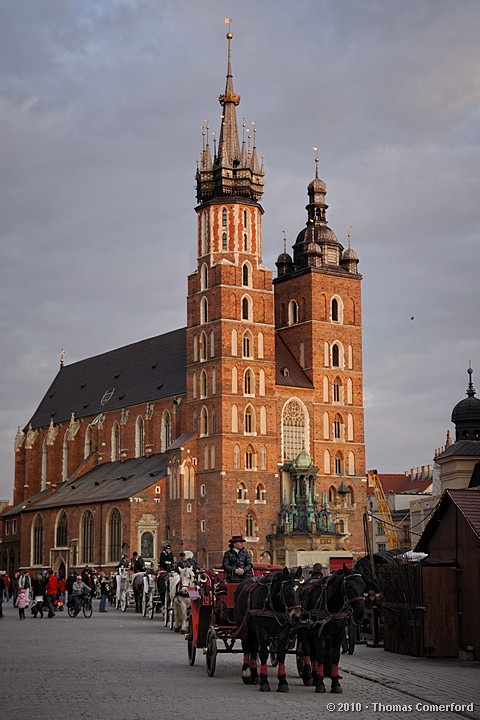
166,558
237,561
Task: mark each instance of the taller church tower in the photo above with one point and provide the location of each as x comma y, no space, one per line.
231,340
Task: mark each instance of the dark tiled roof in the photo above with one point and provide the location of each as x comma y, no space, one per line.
18,508
287,371
466,448
467,502
140,372
108,482
180,441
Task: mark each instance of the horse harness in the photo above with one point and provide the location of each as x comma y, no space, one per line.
265,611
320,615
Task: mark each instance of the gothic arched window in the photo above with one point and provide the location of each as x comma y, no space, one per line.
335,310
139,437
204,421
115,442
236,457
293,429
224,217
292,312
114,535
87,529
245,274
61,534
87,447
165,438
224,241
37,541
335,355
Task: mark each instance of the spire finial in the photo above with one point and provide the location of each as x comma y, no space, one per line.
62,357
349,236
316,164
284,242
470,389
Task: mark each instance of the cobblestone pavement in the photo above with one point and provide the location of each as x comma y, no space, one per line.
126,667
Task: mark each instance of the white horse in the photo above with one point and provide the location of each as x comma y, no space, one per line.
179,597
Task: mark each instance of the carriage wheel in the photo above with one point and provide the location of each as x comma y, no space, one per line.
171,618
300,657
145,603
166,613
123,602
211,654
191,648
151,610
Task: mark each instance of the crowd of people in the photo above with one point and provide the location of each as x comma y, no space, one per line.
46,593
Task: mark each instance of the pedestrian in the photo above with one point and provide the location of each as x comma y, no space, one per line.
38,589
2,590
104,590
14,587
21,603
72,576
52,589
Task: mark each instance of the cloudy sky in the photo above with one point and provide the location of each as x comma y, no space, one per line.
101,107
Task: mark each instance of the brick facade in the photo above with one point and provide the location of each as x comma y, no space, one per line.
258,351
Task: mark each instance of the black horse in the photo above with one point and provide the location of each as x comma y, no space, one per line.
327,605
265,609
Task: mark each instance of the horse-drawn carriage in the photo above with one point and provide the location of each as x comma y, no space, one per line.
129,589
274,615
211,623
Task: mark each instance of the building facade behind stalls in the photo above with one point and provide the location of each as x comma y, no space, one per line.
249,420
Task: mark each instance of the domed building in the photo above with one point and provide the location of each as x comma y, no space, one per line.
457,461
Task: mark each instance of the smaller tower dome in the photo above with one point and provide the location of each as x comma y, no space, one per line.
284,261
466,414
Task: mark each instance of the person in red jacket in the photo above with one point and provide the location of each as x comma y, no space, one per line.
51,591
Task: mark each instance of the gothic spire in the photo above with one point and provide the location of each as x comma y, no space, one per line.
234,170
229,146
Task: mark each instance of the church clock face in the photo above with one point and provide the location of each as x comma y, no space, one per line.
108,394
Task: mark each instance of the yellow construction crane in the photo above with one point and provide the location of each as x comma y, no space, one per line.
391,536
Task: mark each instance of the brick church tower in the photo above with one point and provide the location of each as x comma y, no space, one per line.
231,338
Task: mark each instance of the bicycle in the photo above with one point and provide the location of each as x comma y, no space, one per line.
85,607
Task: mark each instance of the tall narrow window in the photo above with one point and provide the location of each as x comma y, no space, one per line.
249,458
244,218
203,310
236,457
65,457
245,309
234,380
292,313
335,355
203,384
338,464
245,242
203,346
204,421
224,241
249,420
115,442
139,437
87,446
263,460
234,419
337,427
224,217
245,275
248,383
87,537
44,464
214,382
114,535
214,420
37,543
247,344
250,525
234,342
204,277
334,310
165,431
336,390
62,530
194,385
242,492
